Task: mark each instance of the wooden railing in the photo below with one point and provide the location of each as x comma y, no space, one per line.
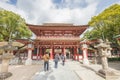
57,38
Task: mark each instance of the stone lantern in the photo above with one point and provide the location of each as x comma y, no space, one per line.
104,50
6,56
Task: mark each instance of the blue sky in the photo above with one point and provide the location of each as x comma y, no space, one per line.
13,2
101,6
105,3
57,11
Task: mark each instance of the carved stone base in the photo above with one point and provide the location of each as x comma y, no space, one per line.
108,74
4,75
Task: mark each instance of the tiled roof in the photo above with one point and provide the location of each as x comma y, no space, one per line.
57,24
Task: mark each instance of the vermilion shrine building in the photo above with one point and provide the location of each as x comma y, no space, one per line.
60,36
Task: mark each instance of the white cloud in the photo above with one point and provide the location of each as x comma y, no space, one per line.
5,0
45,11
12,8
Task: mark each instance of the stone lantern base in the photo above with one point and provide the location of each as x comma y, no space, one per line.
108,74
4,75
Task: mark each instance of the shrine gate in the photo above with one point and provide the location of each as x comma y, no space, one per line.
58,36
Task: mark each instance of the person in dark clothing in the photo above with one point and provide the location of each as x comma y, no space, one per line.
56,59
63,59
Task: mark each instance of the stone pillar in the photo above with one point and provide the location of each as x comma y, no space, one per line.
85,54
104,62
29,59
5,61
103,55
5,64
96,58
109,52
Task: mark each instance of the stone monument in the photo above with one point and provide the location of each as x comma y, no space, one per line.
6,56
104,50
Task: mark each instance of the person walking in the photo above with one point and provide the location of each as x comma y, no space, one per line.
46,61
63,59
56,59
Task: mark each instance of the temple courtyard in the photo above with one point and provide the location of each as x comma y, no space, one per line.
73,70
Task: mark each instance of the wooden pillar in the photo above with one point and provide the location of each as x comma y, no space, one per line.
64,51
37,52
24,54
44,49
51,53
75,53
40,51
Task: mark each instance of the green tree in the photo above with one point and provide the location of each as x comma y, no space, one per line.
12,26
106,25
91,35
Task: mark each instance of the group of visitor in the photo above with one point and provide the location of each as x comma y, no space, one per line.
57,58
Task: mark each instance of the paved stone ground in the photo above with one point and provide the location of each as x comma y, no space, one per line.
115,65
61,73
22,72
71,71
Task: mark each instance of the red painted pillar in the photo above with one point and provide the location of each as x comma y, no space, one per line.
44,50
37,52
24,55
51,53
40,53
64,52
75,53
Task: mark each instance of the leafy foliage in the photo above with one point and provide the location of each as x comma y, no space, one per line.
12,26
106,25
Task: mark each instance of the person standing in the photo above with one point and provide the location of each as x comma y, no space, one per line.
63,59
46,61
56,59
